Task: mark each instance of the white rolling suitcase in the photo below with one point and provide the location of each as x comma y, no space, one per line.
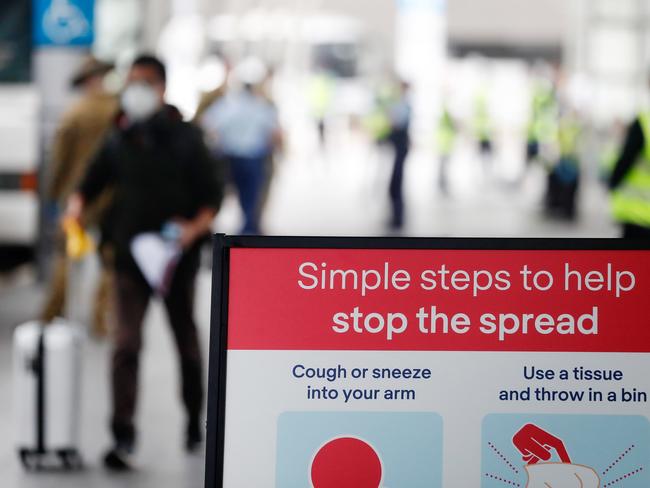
47,388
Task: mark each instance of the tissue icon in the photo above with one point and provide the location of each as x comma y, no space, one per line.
561,475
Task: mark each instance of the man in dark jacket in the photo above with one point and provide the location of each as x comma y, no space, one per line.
162,176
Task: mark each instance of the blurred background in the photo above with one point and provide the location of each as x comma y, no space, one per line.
516,114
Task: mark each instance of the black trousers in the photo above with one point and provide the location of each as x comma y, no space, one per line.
132,298
631,231
396,191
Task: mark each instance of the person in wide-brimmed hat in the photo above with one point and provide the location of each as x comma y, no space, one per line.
82,129
90,68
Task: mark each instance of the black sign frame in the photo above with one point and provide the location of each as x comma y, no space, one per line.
222,244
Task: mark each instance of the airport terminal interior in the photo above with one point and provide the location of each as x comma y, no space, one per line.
506,98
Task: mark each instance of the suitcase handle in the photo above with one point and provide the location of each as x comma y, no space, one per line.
34,364
38,363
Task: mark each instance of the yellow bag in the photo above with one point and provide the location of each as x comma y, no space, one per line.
78,243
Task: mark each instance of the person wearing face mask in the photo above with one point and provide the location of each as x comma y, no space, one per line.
162,175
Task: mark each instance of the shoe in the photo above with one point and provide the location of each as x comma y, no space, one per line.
194,437
395,226
119,458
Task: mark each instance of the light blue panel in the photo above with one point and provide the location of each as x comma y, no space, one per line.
591,440
409,444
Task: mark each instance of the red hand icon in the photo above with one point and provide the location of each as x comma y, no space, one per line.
535,445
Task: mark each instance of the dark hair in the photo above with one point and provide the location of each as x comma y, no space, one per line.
149,61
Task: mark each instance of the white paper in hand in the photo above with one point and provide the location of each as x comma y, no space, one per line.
156,258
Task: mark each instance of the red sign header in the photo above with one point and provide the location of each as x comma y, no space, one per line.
439,300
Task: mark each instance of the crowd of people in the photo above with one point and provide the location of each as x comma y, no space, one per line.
128,164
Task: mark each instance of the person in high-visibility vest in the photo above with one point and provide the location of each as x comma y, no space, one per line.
377,121
483,124
569,132
446,140
320,94
565,175
630,181
543,120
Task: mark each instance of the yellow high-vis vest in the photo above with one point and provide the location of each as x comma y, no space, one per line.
631,200
446,134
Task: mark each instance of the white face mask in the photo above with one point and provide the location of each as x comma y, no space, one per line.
139,101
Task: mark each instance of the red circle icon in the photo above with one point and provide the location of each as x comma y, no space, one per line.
346,462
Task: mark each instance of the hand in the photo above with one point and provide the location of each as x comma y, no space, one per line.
536,444
191,230
188,232
74,208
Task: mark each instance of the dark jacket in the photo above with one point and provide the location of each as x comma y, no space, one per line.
159,170
634,144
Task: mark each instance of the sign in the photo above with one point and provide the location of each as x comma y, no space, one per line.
368,363
15,42
63,22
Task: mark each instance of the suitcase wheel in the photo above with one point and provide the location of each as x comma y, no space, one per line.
70,460
28,460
